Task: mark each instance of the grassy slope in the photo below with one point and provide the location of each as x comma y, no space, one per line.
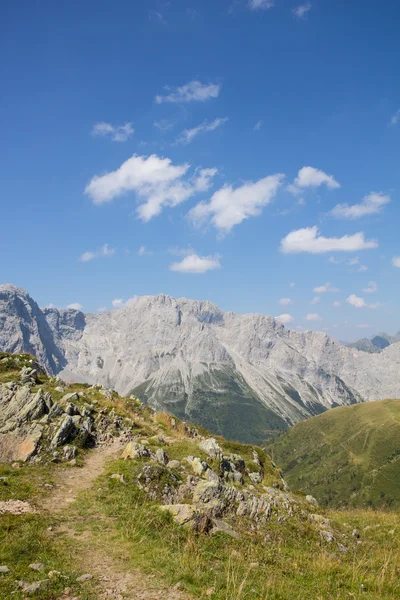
346,456
288,561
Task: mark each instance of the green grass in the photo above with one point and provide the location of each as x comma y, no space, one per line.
281,561
26,539
348,456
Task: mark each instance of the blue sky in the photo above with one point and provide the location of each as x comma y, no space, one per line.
245,152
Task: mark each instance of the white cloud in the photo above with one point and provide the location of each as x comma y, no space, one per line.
323,289
164,125
301,11
358,302
188,135
75,306
229,207
102,310
285,318
396,261
313,317
118,133
258,125
120,303
370,205
192,91
193,263
372,288
395,120
336,304
316,300
309,177
155,180
310,240
144,252
261,4
104,251
285,301
362,268
51,305
363,326
292,284
353,261
333,260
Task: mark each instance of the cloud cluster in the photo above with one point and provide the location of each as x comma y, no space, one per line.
193,263
301,11
194,91
120,303
285,318
396,261
75,306
261,4
154,180
323,289
395,120
229,207
309,240
309,177
371,289
358,302
117,133
313,317
285,301
188,135
104,251
370,205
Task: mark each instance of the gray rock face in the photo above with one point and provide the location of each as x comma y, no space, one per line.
24,328
239,375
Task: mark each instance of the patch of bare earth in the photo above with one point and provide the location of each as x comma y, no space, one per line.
115,580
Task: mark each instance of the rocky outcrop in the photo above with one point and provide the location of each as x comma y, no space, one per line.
243,376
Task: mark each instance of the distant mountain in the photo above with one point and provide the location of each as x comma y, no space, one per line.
243,376
376,343
349,456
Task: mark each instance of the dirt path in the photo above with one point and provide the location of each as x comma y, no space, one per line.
115,579
73,480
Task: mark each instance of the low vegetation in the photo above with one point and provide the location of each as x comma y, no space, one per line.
348,456
292,549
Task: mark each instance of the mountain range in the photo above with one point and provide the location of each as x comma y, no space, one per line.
376,343
243,376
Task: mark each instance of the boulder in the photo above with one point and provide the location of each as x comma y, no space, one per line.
135,450
65,432
199,466
211,447
182,513
161,456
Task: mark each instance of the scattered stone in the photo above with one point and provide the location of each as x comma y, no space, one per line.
327,535
69,452
65,432
135,450
70,397
161,456
174,464
31,588
342,548
182,513
211,447
16,507
36,566
255,477
83,578
4,569
356,534
71,409
199,466
312,500
4,480
220,526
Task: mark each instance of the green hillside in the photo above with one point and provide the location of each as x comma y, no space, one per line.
348,456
